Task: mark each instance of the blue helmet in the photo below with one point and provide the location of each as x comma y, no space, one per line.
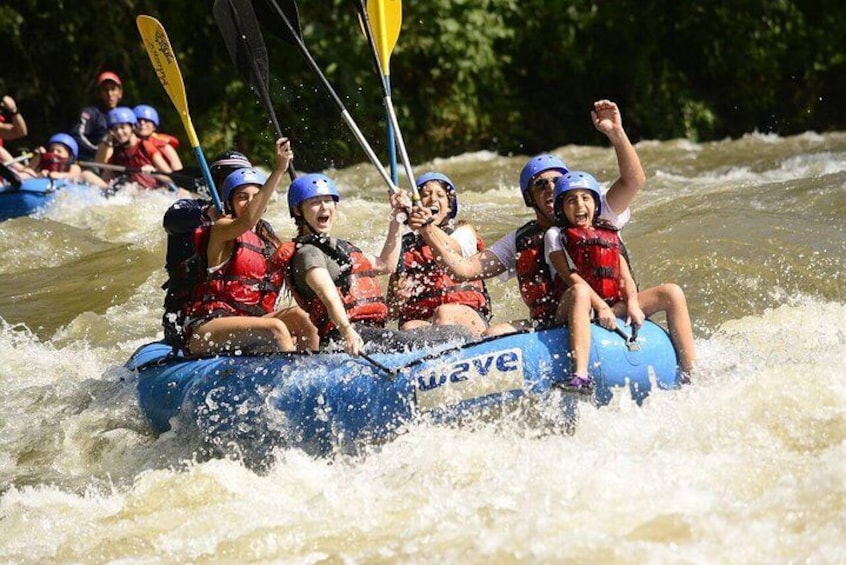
535,166
120,115
145,112
309,186
68,142
572,181
450,189
240,178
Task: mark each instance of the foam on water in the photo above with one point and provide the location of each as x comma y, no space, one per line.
746,464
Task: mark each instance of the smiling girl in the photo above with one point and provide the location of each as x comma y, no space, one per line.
585,253
332,279
234,306
423,292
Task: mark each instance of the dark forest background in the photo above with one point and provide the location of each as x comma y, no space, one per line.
503,75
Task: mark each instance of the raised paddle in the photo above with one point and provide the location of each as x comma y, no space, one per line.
164,62
242,36
285,16
381,22
367,30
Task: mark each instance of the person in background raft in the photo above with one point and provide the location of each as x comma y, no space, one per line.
335,282
234,305
185,265
12,123
147,128
422,292
520,253
58,161
122,147
584,252
12,126
91,128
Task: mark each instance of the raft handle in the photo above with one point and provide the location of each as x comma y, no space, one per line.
631,340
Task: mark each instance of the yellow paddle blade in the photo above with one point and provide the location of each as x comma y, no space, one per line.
385,19
164,62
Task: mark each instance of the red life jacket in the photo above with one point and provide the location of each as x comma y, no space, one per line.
595,254
135,157
434,284
539,291
52,163
282,257
357,286
160,139
243,286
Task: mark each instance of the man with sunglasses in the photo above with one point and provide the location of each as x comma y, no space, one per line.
521,253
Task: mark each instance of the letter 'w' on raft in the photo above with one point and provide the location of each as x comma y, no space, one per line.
286,24
381,22
164,62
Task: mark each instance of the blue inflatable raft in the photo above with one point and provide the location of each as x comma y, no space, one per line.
32,195
330,401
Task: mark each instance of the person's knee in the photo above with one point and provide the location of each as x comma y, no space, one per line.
413,324
448,314
580,293
280,333
499,329
673,293
577,296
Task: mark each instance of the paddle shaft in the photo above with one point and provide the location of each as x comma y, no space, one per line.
391,372
345,115
182,180
19,158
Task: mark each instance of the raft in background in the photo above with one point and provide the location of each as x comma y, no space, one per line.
327,402
32,195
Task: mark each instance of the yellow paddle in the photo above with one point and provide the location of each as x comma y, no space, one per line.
385,20
381,21
164,62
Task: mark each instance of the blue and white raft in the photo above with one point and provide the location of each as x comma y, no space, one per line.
329,401
32,195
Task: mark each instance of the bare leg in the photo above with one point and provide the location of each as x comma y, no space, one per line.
575,308
459,315
258,335
94,180
508,328
302,330
412,324
670,298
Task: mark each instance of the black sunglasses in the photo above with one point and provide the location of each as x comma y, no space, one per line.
542,183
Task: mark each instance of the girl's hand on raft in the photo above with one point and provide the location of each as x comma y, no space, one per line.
353,342
606,318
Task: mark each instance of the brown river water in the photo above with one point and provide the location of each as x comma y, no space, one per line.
747,465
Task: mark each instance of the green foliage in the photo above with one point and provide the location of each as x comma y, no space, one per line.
506,75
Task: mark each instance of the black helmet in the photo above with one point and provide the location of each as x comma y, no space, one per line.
226,163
